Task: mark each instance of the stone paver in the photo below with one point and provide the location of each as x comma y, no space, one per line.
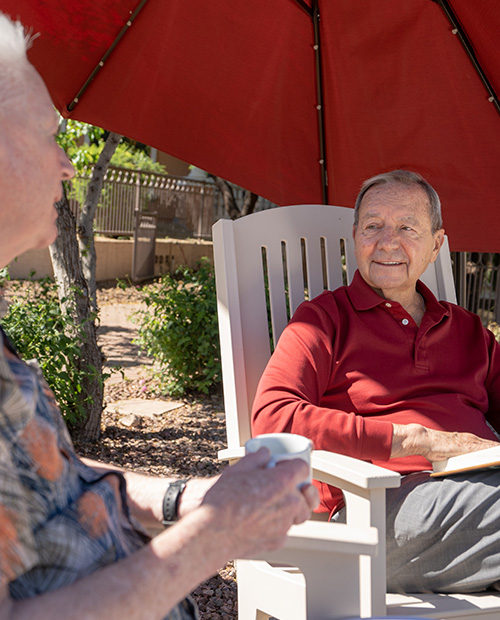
148,408
116,334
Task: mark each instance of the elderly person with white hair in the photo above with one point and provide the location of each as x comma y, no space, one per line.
72,537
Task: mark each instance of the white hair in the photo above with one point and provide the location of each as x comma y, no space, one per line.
14,43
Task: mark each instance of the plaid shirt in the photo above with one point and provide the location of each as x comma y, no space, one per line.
59,519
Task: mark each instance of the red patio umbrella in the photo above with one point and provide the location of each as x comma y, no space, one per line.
231,86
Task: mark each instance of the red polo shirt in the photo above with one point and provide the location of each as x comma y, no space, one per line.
351,363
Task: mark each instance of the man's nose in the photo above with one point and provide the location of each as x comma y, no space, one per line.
67,170
388,239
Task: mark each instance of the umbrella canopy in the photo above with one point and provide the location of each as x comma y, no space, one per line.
231,86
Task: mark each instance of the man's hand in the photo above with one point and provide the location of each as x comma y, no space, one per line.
415,439
254,507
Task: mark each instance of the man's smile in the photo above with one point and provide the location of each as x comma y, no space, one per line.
388,263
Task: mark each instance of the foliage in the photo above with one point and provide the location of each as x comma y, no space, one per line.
128,156
495,328
179,330
41,330
4,276
83,144
73,137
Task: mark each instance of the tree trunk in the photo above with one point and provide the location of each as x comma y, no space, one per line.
230,203
87,214
249,203
72,286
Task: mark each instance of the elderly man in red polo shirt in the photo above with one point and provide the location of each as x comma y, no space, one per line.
382,371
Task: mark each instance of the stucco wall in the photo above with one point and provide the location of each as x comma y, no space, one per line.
114,258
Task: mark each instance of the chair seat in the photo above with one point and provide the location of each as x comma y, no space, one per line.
484,606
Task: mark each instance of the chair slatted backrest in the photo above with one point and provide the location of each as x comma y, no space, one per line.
266,265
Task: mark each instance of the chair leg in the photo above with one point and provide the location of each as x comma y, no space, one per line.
260,587
250,613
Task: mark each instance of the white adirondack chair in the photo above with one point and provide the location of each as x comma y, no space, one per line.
266,264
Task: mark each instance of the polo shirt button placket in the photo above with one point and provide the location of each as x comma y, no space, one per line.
405,321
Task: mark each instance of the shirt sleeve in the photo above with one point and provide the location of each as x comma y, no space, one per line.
17,549
290,392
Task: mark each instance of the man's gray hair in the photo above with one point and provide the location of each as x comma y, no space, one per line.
14,43
404,177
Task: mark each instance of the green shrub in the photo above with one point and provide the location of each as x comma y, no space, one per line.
4,276
495,328
39,329
179,330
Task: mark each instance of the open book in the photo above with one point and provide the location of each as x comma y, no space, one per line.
482,459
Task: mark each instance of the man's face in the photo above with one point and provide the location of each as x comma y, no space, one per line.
393,241
32,167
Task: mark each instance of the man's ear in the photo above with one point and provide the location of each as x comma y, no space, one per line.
438,242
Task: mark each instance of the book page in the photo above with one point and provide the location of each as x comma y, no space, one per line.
481,459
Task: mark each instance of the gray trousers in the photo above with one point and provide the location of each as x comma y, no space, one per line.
443,534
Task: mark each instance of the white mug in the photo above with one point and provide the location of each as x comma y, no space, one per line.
283,447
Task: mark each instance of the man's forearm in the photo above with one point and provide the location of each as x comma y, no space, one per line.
145,585
144,492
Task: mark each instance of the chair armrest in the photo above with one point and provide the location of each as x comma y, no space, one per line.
231,454
316,537
337,470
327,538
344,472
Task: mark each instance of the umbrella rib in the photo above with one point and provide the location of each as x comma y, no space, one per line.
305,7
100,64
464,40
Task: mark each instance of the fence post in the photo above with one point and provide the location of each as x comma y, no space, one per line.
201,213
460,263
137,192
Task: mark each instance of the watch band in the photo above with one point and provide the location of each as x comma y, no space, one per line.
171,501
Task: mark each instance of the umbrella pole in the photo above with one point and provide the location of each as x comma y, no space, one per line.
319,88
313,12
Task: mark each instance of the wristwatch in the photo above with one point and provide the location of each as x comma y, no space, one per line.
171,501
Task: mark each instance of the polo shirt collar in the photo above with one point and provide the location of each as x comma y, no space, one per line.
363,297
